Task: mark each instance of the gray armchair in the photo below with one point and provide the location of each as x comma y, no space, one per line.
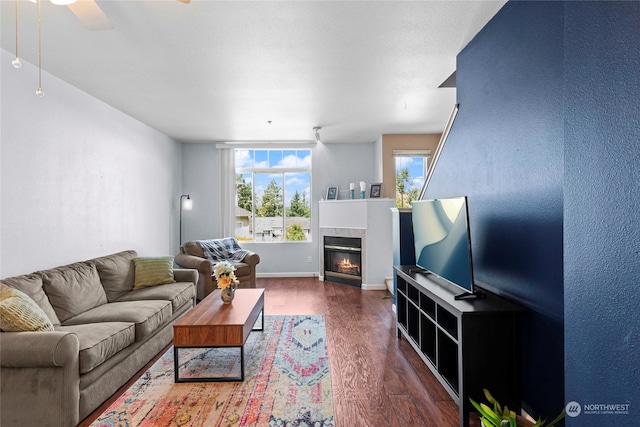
192,256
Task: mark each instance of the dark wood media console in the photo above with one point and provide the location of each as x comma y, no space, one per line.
467,344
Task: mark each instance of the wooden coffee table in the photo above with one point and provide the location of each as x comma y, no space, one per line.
214,324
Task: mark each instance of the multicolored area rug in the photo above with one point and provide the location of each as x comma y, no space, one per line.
287,383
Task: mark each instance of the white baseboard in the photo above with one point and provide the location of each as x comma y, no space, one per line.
389,283
374,287
365,286
379,286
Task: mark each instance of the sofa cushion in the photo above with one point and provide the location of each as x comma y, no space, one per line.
116,273
152,271
100,341
147,316
179,293
31,284
19,313
73,289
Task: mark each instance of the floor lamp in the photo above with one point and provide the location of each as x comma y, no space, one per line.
186,204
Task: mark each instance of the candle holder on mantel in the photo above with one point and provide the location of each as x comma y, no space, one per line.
363,188
353,190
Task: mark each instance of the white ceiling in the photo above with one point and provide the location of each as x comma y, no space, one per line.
220,70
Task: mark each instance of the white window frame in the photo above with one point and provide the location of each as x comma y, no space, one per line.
425,154
275,171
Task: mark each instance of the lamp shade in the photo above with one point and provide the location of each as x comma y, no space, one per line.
187,204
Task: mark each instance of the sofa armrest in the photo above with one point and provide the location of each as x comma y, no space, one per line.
190,261
39,379
186,275
38,349
252,259
203,266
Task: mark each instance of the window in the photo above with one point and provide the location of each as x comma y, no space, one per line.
273,195
411,170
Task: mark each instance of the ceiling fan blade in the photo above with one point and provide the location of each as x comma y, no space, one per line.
184,1
90,14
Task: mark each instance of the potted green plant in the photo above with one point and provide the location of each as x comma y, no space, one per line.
497,416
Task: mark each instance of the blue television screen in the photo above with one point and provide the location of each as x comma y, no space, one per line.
442,240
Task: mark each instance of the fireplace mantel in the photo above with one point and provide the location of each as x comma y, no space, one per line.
369,219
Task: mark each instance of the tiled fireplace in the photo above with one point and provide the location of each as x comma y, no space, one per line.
365,224
343,260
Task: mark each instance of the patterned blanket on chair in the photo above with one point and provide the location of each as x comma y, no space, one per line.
227,249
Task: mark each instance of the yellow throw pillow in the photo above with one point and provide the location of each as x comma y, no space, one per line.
151,271
19,313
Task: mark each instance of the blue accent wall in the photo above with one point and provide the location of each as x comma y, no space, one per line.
602,210
505,153
546,145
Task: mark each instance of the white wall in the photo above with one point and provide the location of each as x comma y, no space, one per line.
333,164
379,163
79,179
201,180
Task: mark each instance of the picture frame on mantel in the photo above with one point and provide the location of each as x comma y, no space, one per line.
375,192
332,193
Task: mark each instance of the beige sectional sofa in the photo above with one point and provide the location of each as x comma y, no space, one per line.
104,332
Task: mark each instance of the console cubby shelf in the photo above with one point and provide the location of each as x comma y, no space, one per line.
467,344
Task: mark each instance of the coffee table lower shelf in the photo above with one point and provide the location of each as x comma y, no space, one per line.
176,364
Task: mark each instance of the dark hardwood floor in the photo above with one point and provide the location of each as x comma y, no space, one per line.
378,380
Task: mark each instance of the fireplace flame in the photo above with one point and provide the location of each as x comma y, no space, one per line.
346,263
346,266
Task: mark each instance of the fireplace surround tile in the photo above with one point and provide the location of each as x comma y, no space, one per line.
369,220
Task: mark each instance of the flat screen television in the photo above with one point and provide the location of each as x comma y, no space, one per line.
443,241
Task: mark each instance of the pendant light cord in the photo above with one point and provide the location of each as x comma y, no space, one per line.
39,47
16,61
17,56
39,92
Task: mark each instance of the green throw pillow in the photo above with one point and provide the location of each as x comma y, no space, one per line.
19,313
151,271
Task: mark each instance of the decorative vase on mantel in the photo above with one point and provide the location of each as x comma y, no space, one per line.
227,294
